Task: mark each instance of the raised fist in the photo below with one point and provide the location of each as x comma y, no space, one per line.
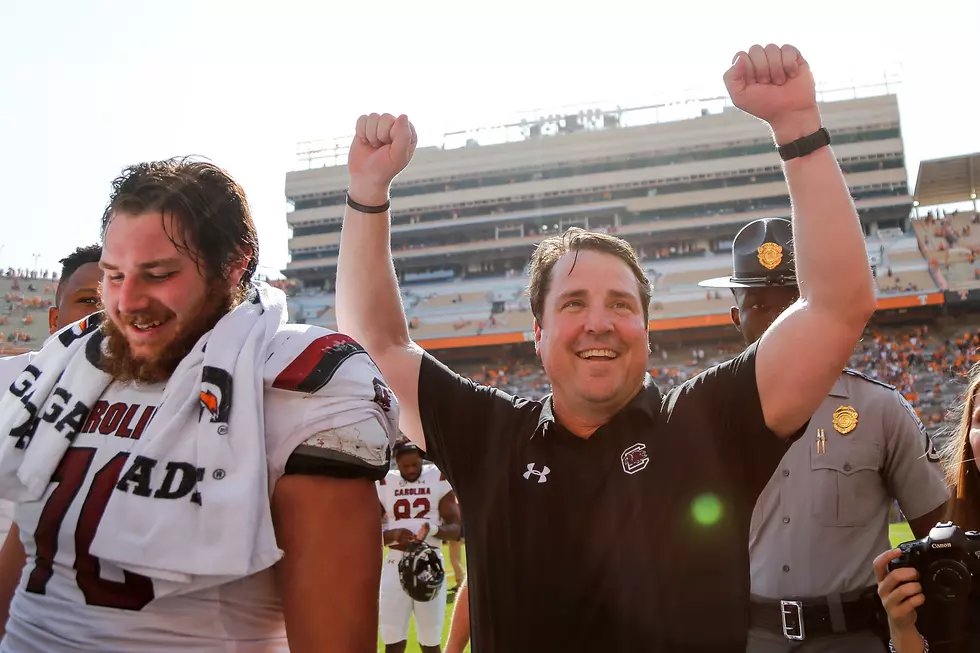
382,147
774,84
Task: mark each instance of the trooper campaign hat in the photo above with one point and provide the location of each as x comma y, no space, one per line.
762,256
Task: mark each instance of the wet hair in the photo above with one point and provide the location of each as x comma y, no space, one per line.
206,202
575,240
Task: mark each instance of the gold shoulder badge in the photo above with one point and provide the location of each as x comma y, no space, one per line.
845,419
770,255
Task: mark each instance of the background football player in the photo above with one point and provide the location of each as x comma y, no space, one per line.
417,503
77,296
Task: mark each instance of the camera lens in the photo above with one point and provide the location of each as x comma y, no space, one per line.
947,580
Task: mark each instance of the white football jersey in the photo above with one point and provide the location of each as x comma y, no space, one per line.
67,600
410,504
10,368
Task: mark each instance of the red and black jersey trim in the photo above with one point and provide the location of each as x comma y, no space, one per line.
314,368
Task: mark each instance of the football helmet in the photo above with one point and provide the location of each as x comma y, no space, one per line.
421,572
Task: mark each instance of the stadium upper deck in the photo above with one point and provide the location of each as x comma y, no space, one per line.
672,187
466,220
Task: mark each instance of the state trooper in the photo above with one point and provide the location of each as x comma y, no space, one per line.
823,516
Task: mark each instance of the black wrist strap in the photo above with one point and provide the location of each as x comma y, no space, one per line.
803,146
363,208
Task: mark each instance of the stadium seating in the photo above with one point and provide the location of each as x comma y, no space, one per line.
464,307
906,280
24,313
951,243
928,367
962,275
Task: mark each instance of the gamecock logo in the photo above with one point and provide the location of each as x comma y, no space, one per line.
216,388
635,458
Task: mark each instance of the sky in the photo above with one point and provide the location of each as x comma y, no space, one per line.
87,88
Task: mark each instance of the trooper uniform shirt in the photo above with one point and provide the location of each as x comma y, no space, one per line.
823,517
631,540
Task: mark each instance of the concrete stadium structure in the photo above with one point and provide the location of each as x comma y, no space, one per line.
466,219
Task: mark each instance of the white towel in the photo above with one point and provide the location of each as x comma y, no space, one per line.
210,422
33,447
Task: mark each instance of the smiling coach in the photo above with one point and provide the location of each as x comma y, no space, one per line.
610,516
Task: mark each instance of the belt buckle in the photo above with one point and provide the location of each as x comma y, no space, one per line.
791,613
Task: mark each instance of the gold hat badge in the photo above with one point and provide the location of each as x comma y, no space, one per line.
770,255
845,419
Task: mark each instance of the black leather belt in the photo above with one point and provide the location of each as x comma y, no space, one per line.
799,619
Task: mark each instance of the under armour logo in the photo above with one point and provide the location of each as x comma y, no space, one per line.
542,475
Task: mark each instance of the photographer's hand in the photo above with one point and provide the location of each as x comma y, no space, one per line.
901,594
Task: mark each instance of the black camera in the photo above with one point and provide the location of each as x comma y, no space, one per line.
947,559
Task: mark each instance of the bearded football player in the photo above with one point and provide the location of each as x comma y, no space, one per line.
191,472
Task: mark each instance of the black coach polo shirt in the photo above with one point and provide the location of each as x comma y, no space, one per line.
635,539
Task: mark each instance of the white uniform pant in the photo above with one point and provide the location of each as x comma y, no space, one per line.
397,607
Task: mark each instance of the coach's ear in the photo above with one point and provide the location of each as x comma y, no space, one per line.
52,319
537,337
736,318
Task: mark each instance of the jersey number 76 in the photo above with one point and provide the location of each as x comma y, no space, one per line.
131,594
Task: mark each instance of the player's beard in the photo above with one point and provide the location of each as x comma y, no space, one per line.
117,356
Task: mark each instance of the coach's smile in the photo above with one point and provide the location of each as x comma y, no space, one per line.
598,354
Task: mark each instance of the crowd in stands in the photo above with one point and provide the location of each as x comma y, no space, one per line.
950,244
18,274
27,295
927,365
946,230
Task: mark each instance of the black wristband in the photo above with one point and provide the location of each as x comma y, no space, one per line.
368,209
803,146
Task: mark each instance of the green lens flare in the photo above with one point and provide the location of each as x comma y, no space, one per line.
707,509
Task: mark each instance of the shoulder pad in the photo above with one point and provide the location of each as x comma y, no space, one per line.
305,358
295,338
862,375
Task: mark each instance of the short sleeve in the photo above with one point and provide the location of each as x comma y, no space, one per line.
444,487
740,424
328,410
913,472
457,419
385,517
